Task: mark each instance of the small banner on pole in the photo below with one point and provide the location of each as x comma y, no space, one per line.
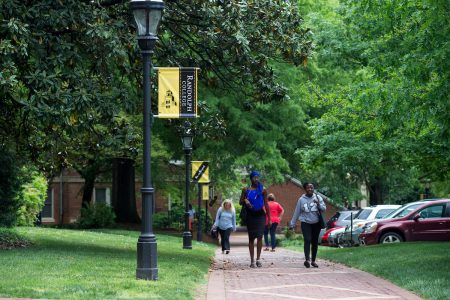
177,92
200,171
205,192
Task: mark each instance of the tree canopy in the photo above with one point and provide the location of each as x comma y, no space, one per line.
337,92
387,124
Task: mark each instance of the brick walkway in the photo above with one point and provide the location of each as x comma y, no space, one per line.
283,276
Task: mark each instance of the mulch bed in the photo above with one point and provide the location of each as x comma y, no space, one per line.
14,245
10,239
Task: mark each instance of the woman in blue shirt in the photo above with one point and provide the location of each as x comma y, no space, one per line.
225,223
254,200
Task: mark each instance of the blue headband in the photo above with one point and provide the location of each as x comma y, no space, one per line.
254,173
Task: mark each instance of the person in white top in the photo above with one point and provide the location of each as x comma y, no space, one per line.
307,211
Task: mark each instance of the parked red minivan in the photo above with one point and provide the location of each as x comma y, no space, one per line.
427,220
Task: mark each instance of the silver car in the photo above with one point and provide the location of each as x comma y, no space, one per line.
341,218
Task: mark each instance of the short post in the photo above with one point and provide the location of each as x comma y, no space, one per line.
199,214
206,216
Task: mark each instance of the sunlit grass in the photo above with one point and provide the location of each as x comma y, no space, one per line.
71,264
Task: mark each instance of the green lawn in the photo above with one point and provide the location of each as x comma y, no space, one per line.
72,264
421,267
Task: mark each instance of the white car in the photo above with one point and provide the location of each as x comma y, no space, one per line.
374,212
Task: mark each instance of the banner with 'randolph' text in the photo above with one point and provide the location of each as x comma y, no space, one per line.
177,92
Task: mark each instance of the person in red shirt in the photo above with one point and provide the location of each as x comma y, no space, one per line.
276,214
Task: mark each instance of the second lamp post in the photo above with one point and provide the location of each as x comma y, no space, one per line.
187,138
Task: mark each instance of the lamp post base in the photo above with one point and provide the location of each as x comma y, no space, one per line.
146,260
187,240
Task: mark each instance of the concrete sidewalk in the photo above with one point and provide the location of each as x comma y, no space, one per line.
283,276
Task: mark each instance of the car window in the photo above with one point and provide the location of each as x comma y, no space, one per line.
363,214
335,217
435,211
392,213
404,210
383,213
349,217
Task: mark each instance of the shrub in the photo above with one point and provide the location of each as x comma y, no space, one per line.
175,218
209,220
177,215
289,233
10,239
161,220
9,188
238,208
290,238
177,212
32,200
96,215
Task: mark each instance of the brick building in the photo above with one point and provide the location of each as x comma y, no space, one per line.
65,194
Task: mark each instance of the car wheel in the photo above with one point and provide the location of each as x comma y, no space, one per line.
390,237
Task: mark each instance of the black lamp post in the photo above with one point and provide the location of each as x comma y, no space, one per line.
187,138
147,14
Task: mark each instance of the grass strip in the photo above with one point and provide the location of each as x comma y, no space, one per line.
75,264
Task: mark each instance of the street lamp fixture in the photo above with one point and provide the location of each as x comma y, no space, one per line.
147,14
186,139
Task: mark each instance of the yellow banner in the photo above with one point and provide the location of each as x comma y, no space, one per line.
200,171
205,192
177,92
168,95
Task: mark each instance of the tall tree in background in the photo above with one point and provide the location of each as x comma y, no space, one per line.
389,126
408,52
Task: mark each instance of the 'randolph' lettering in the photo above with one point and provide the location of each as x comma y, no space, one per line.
187,92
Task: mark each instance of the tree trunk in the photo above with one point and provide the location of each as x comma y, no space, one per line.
123,191
376,192
89,182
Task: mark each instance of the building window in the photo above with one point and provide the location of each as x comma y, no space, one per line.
47,210
102,195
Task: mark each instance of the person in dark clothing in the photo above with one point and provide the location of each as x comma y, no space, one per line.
254,199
